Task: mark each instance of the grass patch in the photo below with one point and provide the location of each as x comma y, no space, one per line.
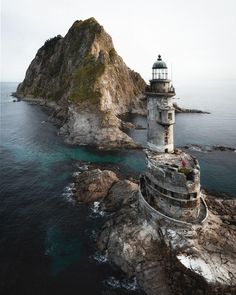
84,80
185,170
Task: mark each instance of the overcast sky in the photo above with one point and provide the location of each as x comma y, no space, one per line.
198,37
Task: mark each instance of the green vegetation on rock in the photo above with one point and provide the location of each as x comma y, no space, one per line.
84,80
90,24
185,170
105,117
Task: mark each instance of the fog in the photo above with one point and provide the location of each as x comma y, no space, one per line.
198,38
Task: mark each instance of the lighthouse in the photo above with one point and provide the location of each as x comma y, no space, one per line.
169,189
160,110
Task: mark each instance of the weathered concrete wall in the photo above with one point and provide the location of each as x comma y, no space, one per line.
160,86
156,218
160,124
172,185
169,178
186,210
160,116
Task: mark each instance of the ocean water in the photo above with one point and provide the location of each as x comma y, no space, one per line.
47,242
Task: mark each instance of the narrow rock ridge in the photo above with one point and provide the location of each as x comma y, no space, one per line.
179,109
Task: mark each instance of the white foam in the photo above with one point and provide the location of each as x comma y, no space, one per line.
68,193
77,173
100,258
96,210
128,284
84,167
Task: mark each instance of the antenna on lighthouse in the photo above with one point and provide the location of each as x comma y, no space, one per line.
171,71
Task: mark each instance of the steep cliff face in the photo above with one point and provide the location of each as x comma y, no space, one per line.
89,82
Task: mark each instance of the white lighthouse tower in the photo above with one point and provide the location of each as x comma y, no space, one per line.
170,189
160,110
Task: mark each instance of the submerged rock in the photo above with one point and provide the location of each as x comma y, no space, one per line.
168,259
89,84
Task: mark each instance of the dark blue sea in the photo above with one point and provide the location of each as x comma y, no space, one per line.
48,243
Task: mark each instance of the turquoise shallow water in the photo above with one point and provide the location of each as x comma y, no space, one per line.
47,243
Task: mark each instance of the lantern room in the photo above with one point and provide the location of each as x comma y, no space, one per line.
159,70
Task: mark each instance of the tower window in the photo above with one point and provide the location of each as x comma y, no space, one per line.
169,116
160,116
166,139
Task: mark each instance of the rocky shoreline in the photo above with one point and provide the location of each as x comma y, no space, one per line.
206,148
179,109
87,83
58,115
197,261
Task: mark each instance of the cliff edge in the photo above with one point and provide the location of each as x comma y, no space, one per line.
87,83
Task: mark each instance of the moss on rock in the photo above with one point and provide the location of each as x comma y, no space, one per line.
84,80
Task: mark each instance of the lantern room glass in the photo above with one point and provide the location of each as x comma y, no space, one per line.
159,74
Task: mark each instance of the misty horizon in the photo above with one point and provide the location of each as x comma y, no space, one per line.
195,39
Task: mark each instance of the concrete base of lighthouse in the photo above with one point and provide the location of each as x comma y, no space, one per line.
172,189
169,148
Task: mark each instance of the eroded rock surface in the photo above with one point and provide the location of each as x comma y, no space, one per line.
93,185
168,259
89,84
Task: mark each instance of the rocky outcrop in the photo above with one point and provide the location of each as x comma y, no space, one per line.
179,109
89,82
169,259
120,195
207,148
93,185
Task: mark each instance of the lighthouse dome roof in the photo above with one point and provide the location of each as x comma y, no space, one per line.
159,64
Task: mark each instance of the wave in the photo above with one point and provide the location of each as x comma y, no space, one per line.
127,284
99,257
96,210
68,193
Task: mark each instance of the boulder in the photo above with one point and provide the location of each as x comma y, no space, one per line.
93,185
120,195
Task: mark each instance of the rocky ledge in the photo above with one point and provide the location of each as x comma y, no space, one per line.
179,109
170,260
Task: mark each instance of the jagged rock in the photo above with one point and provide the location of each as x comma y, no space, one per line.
89,82
121,194
93,185
128,125
167,259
